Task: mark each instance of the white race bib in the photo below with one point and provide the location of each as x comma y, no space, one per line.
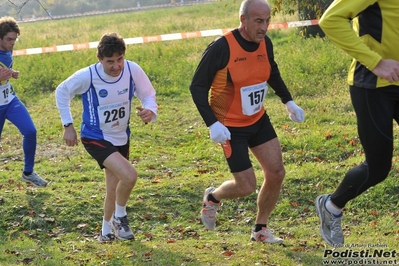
114,117
6,94
252,98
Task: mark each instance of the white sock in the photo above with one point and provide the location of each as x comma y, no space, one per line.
333,209
120,211
106,229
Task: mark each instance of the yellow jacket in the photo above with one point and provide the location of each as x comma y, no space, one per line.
368,30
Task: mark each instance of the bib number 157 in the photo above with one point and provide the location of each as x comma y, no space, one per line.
252,98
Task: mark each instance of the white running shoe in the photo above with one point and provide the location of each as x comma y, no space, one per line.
121,228
265,236
209,209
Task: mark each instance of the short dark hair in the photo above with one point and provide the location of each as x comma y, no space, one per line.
110,44
8,24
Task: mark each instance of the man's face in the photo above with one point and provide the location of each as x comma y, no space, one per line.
255,26
113,66
8,41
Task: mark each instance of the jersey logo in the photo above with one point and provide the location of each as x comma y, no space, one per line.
123,91
240,59
261,57
103,93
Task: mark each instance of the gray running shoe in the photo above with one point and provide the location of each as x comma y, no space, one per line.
330,225
106,239
265,236
34,179
209,209
121,228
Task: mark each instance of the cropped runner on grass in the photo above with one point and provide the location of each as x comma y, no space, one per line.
11,108
374,89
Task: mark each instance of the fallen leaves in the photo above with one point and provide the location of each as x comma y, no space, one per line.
374,213
156,180
147,256
227,253
294,204
374,223
82,226
352,142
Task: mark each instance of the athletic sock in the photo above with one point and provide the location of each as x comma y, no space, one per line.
120,211
212,198
259,227
106,228
27,173
333,209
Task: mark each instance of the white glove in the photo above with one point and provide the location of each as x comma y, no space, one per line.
295,112
219,133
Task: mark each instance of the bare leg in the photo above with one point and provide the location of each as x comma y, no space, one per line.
270,158
120,178
243,184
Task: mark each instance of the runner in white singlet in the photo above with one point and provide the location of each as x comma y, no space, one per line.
107,89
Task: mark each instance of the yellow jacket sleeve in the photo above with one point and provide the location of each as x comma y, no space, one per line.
368,31
336,24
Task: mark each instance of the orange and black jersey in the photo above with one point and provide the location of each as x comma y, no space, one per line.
214,67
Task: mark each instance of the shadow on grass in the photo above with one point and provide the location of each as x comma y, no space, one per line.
44,229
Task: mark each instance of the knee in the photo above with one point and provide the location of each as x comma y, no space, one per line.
380,176
276,177
385,170
247,189
376,171
131,178
30,133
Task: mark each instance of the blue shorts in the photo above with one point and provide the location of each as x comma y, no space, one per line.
242,138
101,149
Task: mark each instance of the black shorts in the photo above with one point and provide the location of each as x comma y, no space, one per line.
242,138
101,149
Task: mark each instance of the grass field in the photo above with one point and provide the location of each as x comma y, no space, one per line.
176,160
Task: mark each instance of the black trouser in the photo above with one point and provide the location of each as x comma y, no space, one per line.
375,110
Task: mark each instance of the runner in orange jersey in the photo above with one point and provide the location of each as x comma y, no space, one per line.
237,69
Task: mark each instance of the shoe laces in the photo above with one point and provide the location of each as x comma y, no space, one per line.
211,207
108,237
261,236
265,231
124,223
336,228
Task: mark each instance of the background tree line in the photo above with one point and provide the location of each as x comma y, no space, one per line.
21,9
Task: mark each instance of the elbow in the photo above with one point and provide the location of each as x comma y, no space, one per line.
327,23
322,24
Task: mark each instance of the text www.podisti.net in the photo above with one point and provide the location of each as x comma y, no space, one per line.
360,257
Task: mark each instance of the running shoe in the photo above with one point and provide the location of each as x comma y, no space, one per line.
330,225
106,239
209,209
265,236
121,228
34,179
